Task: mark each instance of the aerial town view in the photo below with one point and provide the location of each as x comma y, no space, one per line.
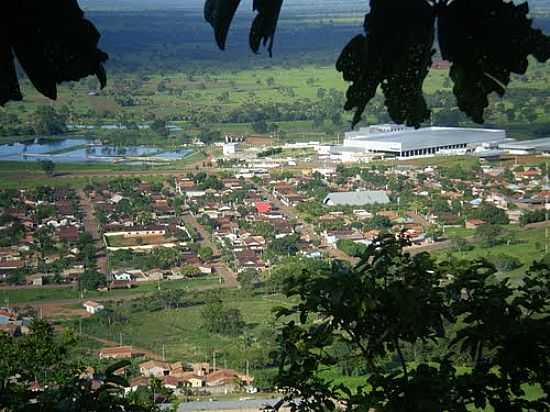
210,230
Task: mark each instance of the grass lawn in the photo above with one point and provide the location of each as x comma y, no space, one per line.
183,336
526,249
458,232
21,296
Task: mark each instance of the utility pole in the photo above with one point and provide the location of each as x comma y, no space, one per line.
120,336
214,360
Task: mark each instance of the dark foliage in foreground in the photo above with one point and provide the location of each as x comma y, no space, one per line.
53,43
37,374
485,41
426,336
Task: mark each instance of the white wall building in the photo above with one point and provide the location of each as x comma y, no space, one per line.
230,149
93,307
406,142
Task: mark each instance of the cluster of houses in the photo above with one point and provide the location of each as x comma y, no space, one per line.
142,217
41,225
197,377
181,378
353,200
245,215
242,219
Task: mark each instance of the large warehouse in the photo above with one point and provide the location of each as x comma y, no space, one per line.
527,146
406,142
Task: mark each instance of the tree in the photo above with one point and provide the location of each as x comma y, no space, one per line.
491,214
159,127
505,263
284,246
43,242
17,277
248,279
434,232
481,339
206,253
350,247
42,357
533,216
379,222
87,250
459,244
46,121
91,280
48,167
218,319
489,235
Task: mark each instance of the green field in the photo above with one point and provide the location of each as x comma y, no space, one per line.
183,336
38,294
205,101
529,246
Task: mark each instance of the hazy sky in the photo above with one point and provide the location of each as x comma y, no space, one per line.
197,4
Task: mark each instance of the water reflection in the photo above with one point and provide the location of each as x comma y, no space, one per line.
83,150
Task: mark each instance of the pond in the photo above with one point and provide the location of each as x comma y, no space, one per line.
79,150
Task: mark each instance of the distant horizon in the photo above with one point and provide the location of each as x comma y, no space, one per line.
137,5
198,4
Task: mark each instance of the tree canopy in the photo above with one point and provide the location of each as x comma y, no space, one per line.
424,335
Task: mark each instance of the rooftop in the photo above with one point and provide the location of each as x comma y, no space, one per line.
428,137
535,144
368,197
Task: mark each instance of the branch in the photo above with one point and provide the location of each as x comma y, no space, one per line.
401,358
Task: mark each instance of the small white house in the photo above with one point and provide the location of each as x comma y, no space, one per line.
93,307
123,276
230,149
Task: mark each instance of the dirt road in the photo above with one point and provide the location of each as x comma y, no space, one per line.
229,277
92,227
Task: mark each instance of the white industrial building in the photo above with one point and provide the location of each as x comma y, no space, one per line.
525,147
406,142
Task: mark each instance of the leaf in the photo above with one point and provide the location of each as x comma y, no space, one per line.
9,86
220,13
486,41
395,53
265,24
54,43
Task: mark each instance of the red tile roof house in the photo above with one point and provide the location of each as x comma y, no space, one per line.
93,307
226,381
68,234
263,207
117,352
474,223
154,368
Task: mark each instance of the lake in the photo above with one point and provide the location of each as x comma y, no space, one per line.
79,150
